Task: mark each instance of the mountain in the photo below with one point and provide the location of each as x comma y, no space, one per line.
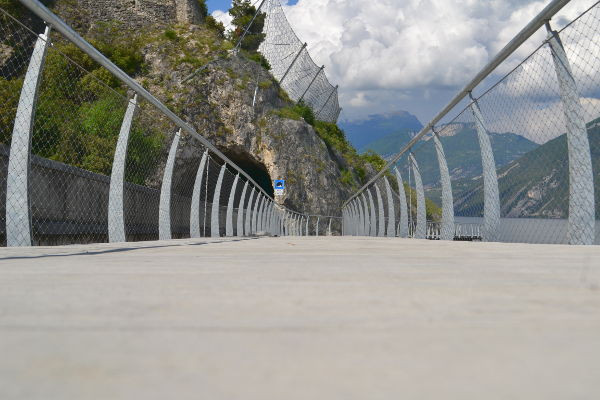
391,144
378,126
535,185
463,153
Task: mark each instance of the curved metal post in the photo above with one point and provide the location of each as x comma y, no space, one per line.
266,217
164,208
18,216
353,218
357,218
259,215
381,228
229,218
361,217
215,228
582,214
307,223
391,226
247,228
421,228
373,218
116,214
403,228
491,205
366,222
447,226
254,222
317,227
195,208
240,216
329,227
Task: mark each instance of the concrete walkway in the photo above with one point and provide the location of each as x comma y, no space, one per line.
300,318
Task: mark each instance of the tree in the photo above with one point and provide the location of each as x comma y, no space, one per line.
203,8
243,12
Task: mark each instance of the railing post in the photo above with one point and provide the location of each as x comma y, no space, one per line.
403,228
18,214
195,207
317,227
164,208
391,226
491,205
307,224
373,219
329,227
420,229
229,218
253,227
582,214
240,216
247,229
357,218
292,64
116,217
311,83
447,227
360,224
259,215
366,223
215,228
380,211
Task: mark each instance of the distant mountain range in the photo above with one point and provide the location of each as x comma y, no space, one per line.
535,185
363,133
464,155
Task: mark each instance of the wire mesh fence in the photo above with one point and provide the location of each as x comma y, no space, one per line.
522,159
292,65
85,159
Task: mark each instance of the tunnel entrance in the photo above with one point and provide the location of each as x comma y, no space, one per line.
255,169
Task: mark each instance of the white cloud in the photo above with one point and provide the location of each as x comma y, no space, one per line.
412,46
222,16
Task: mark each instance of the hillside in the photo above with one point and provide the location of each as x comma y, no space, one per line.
464,155
535,185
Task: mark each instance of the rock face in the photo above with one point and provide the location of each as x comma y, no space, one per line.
134,14
219,104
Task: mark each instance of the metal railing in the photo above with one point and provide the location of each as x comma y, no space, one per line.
520,161
83,161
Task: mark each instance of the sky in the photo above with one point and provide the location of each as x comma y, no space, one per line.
413,55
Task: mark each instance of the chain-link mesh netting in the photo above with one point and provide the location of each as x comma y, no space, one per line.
292,65
523,158
84,159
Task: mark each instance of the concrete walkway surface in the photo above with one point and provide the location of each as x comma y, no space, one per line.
300,318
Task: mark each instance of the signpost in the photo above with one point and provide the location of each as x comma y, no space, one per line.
279,185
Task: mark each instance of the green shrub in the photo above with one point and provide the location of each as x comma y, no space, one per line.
259,59
264,85
214,25
203,8
171,34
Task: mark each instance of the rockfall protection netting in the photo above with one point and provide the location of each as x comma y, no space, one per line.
82,161
292,65
522,157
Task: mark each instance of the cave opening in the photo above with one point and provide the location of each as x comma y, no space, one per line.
252,167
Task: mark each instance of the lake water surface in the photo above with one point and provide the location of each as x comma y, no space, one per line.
530,230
